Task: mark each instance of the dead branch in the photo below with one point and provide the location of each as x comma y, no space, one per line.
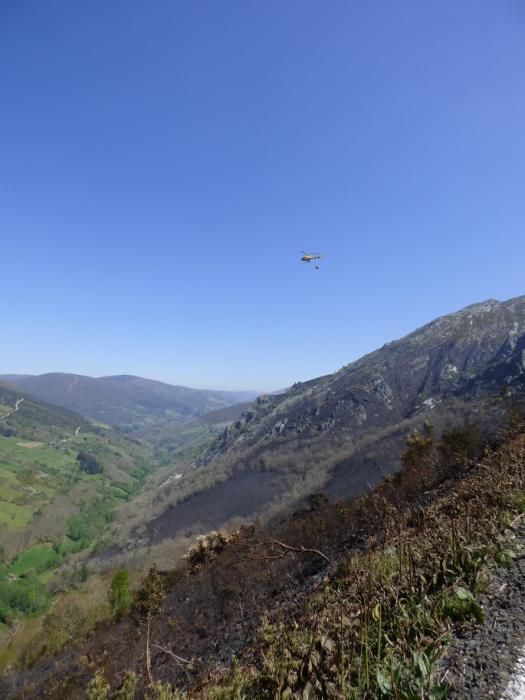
517,519
178,659
300,550
148,654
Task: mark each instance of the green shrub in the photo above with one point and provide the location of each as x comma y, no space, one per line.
120,597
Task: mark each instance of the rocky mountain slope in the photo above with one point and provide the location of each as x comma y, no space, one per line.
124,401
342,433
455,363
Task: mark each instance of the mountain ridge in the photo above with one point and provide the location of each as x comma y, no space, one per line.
341,434
124,401
469,356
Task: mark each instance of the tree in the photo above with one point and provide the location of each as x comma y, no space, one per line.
460,447
149,601
83,573
419,460
120,597
88,463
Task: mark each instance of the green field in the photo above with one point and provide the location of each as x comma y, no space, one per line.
53,506
49,500
32,475
30,478
38,558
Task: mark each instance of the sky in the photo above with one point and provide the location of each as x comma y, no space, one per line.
163,164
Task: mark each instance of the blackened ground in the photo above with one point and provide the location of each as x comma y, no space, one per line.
481,662
240,496
243,496
208,615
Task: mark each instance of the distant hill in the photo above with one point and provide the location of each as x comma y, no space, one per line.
26,417
125,401
342,433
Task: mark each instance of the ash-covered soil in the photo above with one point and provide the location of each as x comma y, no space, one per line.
240,496
483,660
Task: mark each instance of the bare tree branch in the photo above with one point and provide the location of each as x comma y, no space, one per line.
178,659
301,550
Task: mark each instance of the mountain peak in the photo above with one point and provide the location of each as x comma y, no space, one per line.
487,305
460,360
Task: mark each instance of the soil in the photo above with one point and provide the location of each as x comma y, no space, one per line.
483,661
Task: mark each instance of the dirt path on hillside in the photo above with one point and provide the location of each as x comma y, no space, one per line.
487,661
75,380
15,409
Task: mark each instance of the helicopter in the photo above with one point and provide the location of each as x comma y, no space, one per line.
309,257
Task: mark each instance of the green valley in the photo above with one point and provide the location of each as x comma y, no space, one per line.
61,479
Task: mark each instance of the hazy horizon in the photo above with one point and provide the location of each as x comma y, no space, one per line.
163,167
169,380
134,374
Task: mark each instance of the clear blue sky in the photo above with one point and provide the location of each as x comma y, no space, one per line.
162,164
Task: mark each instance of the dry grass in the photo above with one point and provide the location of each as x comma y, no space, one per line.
381,622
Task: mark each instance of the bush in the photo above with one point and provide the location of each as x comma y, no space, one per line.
98,688
460,447
24,595
120,597
207,547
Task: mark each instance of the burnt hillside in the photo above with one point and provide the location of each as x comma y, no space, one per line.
325,570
